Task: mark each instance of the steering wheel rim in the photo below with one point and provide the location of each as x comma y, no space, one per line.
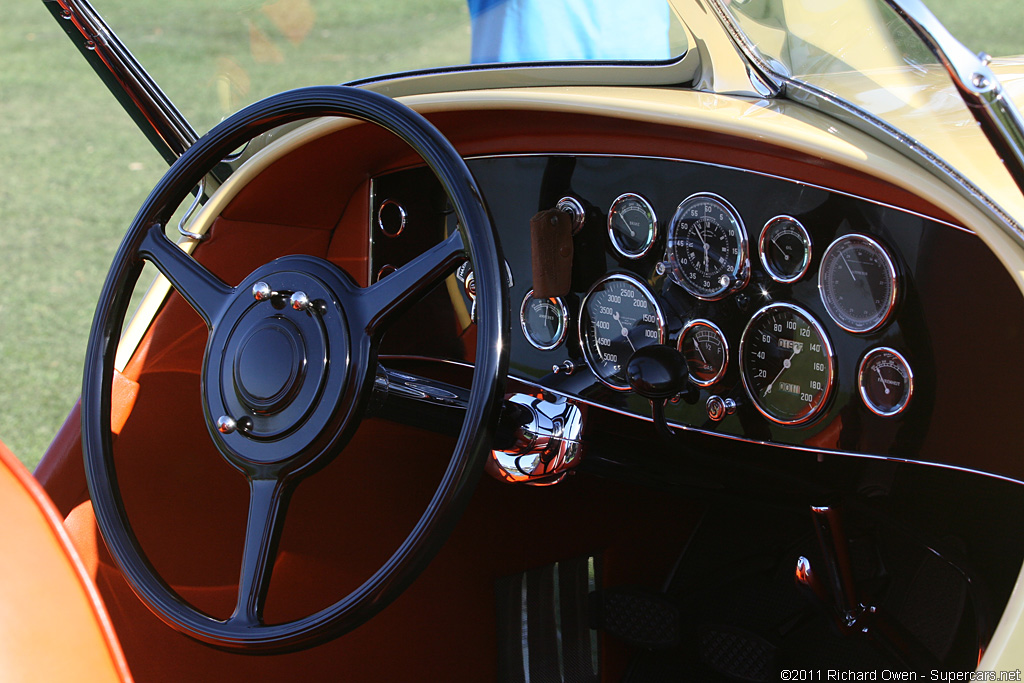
363,312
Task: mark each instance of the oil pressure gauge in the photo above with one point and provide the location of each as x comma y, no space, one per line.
785,249
886,382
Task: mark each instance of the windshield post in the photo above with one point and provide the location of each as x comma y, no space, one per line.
977,84
140,96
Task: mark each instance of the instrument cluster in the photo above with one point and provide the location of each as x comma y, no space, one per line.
806,316
786,359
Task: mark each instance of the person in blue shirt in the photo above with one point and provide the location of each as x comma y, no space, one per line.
568,30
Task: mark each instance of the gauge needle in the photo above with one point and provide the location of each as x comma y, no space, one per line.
843,256
697,346
775,241
786,364
882,380
626,223
625,332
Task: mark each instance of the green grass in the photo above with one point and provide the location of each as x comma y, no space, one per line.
75,169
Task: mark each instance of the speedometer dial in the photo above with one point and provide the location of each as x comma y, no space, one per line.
707,247
618,316
787,364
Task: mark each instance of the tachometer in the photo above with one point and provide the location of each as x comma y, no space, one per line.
618,316
707,247
787,364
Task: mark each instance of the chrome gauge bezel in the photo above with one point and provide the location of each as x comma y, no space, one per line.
652,231
762,250
863,367
831,306
701,322
583,334
828,352
739,272
563,313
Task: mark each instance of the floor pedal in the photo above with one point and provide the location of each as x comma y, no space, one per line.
638,616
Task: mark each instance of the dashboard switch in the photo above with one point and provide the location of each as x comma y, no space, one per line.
719,407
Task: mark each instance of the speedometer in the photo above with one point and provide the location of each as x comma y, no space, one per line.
618,316
787,364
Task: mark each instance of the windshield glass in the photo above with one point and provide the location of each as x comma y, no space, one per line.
214,58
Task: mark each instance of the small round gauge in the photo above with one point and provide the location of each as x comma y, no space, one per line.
787,364
618,316
785,249
544,321
885,381
707,247
706,352
857,282
632,225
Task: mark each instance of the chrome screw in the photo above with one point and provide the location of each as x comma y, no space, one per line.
261,291
226,425
300,302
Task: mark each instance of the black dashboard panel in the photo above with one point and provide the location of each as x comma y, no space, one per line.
956,315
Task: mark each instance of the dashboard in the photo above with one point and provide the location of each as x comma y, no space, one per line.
808,317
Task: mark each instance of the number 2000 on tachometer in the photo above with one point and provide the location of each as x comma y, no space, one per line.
618,316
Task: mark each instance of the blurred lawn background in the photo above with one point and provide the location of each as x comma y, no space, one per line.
75,169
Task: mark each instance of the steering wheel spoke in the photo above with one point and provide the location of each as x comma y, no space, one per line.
388,297
203,290
268,500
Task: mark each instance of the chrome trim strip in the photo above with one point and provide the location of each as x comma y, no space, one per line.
729,167
977,84
731,437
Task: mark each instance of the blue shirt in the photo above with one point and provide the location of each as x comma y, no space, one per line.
563,30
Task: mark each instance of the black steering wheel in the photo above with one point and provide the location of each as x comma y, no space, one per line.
288,370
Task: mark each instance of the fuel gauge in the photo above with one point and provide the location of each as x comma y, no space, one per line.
886,381
705,350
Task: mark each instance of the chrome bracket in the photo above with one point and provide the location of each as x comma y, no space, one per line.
546,445
196,203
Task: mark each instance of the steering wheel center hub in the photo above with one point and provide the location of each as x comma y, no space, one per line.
268,369
279,372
